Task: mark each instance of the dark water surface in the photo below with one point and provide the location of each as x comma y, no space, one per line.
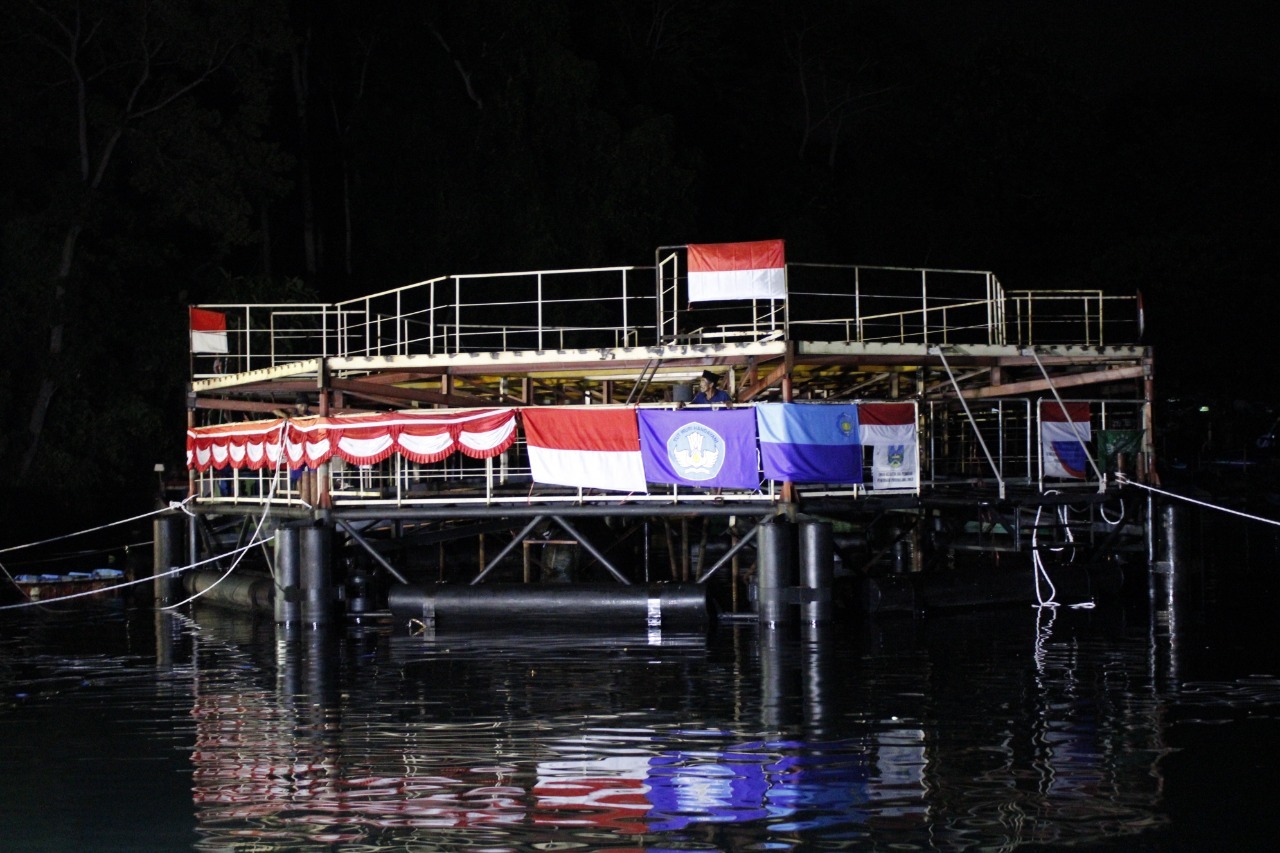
1125,727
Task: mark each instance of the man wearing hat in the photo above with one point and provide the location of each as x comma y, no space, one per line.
708,390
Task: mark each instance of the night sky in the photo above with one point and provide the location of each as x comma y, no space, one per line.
283,150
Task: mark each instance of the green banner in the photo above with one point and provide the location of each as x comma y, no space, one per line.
1111,443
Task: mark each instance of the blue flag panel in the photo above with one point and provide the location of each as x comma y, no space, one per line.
810,443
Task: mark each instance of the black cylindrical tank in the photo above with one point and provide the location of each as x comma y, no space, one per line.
676,607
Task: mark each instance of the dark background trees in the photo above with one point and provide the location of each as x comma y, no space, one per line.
161,153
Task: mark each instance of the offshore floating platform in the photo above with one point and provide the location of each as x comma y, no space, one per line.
482,450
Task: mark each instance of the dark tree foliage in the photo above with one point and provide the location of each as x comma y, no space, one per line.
157,154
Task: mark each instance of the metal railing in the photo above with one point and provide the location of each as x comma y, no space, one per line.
1083,317
613,307
267,335
1010,430
949,455
458,479
538,310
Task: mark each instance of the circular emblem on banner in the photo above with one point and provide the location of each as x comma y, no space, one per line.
847,427
696,451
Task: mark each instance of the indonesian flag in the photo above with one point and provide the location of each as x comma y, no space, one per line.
890,429
593,447
208,331
1063,435
737,271
887,423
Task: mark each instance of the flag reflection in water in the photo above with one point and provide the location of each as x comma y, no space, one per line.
793,785
252,779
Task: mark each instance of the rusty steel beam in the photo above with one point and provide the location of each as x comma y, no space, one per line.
391,394
1072,380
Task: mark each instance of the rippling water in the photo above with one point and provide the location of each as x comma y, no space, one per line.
1127,727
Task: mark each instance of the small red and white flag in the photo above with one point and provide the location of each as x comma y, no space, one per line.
719,271
886,423
1064,433
208,331
590,448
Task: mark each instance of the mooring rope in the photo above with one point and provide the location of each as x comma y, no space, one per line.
172,506
1037,562
124,584
1121,478
253,540
242,551
1102,511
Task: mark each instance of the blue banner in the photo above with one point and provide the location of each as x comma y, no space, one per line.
810,443
707,449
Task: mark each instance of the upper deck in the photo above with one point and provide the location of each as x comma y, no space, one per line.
572,329
632,335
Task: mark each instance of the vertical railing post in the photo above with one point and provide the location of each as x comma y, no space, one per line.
624,310
857,304
540,311
924,307
991,308
1102,304
248,341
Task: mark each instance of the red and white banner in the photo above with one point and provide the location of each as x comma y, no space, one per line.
890,430
737,271
359,439
208,331
586,447
1064,431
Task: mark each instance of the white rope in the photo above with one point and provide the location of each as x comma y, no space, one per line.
1037,563
242,551
1102,511
1038,569
253,540
172,505
88,552
1121,478
124,584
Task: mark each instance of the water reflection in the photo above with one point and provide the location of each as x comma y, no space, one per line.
744,738
989,730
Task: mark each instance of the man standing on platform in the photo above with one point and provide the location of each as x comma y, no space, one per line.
708,390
